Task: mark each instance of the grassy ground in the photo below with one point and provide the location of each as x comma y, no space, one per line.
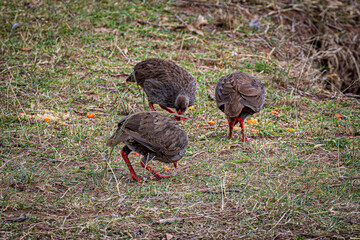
63,59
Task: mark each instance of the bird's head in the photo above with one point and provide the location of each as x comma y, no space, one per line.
181,104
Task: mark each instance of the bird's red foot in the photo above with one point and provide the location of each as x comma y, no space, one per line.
175,164
245,139
136,178
158,176
180,118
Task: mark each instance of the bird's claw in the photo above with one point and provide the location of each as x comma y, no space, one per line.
136,178
180,118
159,176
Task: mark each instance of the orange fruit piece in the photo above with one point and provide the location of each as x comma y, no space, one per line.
136,153
338,116
211,123
253,130
46,120
167,169
90,115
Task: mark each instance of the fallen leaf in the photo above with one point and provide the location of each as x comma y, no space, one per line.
290,129
168,236
200,21
191,28
25,49
191,108
253,130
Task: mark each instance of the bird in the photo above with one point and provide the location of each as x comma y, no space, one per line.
166,84
239,95
152,135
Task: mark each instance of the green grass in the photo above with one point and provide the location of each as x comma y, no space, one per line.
281,184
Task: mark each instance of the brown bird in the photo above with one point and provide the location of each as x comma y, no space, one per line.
239,95
154,136
166,84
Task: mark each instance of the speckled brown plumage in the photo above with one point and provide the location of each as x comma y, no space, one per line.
153,135
165,83
239,95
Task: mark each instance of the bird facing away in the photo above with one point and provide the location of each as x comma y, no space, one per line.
239,95
154,136
166,84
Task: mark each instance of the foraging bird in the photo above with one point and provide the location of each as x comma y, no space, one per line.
154,136
239,95
166,84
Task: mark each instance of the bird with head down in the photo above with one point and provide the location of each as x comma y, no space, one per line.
239,95
152,135
166,84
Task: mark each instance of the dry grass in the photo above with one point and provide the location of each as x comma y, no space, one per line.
69,58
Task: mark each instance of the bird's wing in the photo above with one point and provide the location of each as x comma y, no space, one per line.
158,133
227,98
252,93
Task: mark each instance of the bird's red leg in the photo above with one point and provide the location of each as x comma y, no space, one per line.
152,107
180,113
175,164
156,174
242,129
231,125
167,109
132,172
